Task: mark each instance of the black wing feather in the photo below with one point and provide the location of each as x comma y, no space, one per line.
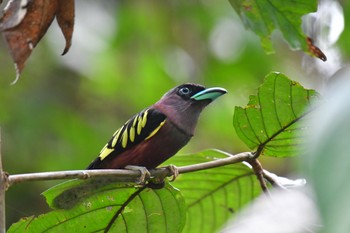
139,128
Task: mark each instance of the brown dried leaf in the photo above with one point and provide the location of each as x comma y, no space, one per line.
25,34
65,19
25,22
314,50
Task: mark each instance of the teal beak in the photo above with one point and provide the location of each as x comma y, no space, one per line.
209,94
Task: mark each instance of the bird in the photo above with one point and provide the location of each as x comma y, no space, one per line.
158,132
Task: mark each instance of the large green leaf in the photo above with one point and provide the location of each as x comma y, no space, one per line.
160,210
271,122
264,16
213,195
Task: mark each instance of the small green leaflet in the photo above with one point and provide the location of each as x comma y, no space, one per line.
271,122
157,210
264,16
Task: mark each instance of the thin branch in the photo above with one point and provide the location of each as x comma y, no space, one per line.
123,174
73,174
3,187
259,172
231,159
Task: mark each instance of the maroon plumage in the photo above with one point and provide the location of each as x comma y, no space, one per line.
158,132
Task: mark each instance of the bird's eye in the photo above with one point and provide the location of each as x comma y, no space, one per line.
184,91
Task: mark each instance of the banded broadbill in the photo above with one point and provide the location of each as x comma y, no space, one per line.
159,131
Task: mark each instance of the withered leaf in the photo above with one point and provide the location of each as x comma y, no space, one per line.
65,19
25,22
314,50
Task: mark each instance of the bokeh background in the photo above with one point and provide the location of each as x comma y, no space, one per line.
125,56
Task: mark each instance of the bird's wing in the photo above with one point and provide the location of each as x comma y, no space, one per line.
139,128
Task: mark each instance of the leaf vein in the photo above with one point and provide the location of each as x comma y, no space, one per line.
219,187
251,127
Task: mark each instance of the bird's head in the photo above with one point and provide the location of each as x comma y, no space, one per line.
183,104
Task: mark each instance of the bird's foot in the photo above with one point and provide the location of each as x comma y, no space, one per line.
158,182
144,173
174,172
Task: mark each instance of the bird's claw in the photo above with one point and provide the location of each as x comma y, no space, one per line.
158,182
144,173
174,172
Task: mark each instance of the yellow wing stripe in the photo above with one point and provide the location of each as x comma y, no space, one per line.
105,152
132,134
126,134
144,119
155,130
135,121
139,125
125,138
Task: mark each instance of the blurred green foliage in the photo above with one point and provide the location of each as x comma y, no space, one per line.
59,115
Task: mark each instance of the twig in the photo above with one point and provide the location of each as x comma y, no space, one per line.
231,159
73,174
259,172
3,187
124,175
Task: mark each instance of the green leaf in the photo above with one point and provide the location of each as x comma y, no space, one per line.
213,195
271,121
161,210
264,16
